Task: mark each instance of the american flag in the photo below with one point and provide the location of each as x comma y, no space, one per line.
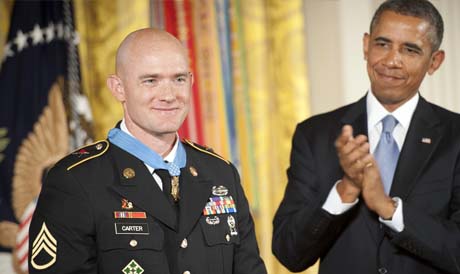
22,238
43,112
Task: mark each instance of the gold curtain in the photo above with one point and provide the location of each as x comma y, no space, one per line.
278,97
102,25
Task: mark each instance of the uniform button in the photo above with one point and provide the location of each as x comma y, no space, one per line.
227,237
133,243
187,272
383,270
184,243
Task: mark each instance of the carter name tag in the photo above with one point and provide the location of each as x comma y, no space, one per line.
125,228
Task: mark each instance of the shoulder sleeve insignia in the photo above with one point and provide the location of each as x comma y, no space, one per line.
206,150
88,152
44,242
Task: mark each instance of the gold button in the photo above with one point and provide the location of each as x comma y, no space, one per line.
186,272
99,146
184,243
133,243
228,238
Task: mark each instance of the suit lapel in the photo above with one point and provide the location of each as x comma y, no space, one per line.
141,190
424,134
195,191
356,116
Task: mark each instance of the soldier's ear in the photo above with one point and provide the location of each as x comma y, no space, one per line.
115,85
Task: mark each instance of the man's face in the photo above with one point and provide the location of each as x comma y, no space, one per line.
156,84
399,54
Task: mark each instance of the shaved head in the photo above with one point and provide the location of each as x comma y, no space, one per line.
153,82
138,42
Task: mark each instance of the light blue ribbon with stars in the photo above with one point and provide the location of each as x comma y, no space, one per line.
145,154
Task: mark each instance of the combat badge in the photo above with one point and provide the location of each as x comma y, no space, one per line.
47,243
219,190
212,220
232,225
133,268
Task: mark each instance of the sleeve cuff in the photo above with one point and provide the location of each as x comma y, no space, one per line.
334,204
397,221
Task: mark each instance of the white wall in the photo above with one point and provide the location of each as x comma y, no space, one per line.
336,67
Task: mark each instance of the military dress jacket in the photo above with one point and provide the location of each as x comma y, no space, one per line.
101,211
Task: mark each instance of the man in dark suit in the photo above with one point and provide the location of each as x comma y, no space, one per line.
374,187
143,201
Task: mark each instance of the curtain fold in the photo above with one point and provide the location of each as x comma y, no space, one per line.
102,25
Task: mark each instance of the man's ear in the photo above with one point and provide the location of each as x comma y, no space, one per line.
436,60
366,45
116,87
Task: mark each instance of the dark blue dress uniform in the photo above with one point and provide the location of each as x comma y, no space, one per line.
101,211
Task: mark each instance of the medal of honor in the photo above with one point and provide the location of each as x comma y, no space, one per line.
175,188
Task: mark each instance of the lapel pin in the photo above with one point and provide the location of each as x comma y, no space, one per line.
129,173
99,146
125,204
426,140
193,171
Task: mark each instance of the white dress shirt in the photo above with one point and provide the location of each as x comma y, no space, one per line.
169,158
375,113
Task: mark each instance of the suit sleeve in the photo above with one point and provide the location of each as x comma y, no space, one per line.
302,230
247,259
433,234
61,231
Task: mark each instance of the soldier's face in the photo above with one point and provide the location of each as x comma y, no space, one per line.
157,86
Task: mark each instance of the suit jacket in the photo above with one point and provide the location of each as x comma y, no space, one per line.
101,211
427,179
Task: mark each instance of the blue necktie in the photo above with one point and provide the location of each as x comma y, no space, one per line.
386,154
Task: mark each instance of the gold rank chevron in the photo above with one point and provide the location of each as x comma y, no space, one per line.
44,241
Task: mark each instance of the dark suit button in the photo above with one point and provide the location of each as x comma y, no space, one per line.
383,270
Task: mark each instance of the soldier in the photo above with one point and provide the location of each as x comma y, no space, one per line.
142,201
